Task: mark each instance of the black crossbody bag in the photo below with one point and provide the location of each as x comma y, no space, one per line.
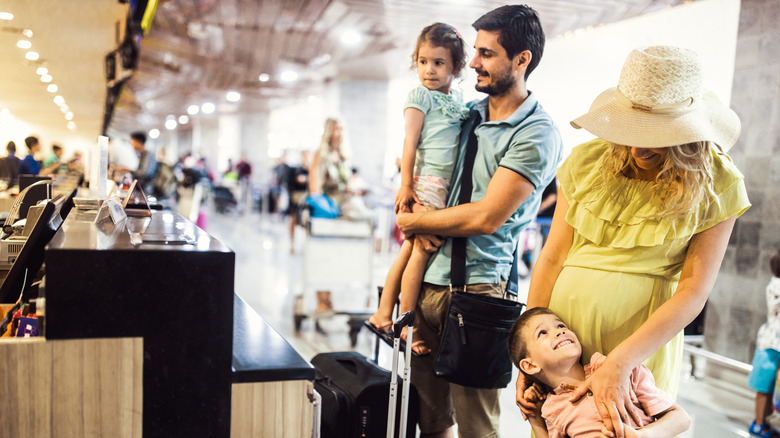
473,350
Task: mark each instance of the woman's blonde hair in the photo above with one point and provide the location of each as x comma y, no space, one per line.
683,185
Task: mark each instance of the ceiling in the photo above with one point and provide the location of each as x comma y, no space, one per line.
197,50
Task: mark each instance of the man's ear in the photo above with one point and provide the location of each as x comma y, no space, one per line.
523,59
529,367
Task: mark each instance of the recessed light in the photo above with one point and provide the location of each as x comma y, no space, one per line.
154,133
42,70
68,115
23,44
170,124
59,100
52,88
264,77
72,126
32,56
6,16
28,33
193,109
233,96
288,76
350,37
64,108
46,78
183,119
208,108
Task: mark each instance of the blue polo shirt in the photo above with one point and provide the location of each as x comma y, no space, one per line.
28,166
527,142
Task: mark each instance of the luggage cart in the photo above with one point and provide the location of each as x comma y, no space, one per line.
337,257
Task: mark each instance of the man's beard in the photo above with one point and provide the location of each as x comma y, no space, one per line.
501,85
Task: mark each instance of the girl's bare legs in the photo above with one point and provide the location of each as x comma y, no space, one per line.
411,283
383,317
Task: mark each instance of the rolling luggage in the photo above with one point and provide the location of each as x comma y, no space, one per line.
355,400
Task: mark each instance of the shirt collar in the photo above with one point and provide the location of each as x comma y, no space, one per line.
520,114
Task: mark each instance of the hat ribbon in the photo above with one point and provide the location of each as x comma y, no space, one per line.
666,108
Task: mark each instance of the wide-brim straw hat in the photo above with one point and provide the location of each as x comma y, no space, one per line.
659,102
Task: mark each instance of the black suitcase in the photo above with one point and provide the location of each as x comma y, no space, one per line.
354,397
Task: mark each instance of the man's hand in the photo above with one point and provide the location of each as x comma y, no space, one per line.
430,243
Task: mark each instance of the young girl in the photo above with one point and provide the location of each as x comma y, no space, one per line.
433,113
767,357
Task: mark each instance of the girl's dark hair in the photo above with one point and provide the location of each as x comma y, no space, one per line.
518,28
443,35
774,264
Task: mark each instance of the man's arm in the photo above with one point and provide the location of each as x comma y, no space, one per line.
505,193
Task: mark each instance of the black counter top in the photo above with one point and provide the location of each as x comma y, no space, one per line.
260,354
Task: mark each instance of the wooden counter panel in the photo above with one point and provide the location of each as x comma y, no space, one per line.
71,388
272,409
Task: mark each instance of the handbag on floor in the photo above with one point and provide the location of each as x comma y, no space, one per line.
473,350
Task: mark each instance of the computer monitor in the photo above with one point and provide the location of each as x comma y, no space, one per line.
35,194
30,258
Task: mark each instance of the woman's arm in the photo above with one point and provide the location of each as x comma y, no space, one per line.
546,270
412,129
554,253
315,185
610,382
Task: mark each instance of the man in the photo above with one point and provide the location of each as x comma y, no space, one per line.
54,157
147,163
519,148
9,165
29,165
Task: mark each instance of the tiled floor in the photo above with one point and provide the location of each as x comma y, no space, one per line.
269,278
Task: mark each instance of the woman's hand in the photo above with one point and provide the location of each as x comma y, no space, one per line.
529,406
404,199
610,385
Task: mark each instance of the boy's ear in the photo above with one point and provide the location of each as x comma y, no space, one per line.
529,367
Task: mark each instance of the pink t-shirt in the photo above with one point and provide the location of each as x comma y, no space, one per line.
582,419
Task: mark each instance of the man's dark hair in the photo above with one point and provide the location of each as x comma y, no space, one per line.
139,136
56,148
11,147
774,263
518,350
518,28
31,141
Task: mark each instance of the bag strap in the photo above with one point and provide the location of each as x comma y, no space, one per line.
458,257
511,286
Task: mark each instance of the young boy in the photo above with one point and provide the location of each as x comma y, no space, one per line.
542,347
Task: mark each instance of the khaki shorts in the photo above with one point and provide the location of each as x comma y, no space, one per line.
442,403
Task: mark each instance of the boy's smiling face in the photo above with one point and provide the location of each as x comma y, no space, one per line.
550,345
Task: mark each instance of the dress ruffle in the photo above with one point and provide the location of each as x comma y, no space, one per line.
622,216
452,104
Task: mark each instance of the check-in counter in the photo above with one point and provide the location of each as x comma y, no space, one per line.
210,366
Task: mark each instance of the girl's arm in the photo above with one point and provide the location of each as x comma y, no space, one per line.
671,422
546,270
610,382
412,129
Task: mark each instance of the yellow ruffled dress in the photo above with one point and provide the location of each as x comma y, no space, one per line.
623,265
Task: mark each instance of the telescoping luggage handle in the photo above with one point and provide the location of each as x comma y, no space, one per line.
405,320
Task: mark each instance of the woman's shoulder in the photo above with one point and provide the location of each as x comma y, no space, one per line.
584,160
724,172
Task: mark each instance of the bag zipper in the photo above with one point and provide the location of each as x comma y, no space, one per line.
462,329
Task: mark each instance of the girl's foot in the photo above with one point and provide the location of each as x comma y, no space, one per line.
380,323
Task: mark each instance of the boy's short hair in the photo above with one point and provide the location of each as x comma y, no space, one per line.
517,346
774,264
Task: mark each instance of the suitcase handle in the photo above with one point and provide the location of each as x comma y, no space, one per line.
405,320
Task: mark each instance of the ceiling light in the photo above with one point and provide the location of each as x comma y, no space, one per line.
32,56
72,126
6,16
154,133
288,76
233,96
208,108
64,108
23,44
183,119
28,33
52,88
193,109
59,100
350,37
46,78
68,115
170,124
42,70
264,77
